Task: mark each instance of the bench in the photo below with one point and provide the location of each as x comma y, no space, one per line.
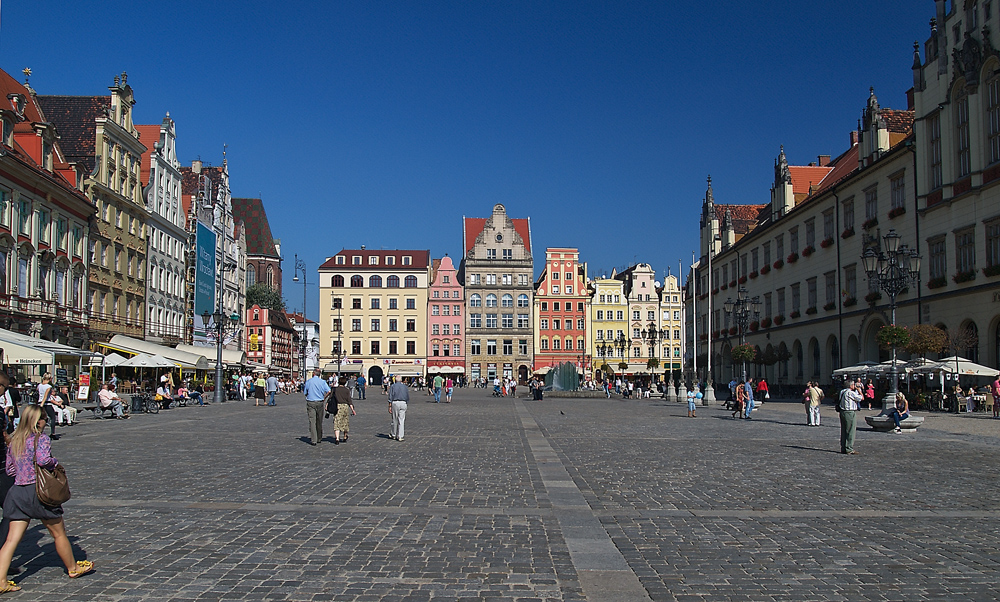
98,411
883,424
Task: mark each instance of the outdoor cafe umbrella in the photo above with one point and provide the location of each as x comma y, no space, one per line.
148,361
108,361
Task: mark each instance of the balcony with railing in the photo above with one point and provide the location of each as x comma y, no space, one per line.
38,308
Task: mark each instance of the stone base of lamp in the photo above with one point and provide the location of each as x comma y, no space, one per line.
668,391
709,395
682,392
883,423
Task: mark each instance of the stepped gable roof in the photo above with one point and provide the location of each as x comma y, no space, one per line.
258,229
190,180
420,260
148,135
805,177
745,217
75,118
896,121
474,225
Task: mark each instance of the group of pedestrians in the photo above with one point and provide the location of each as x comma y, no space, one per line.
22,449
322,401
439,384
742,396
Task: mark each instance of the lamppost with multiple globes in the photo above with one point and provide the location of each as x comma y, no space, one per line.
891,268
741,311
652,336
218,322
300,267
607,349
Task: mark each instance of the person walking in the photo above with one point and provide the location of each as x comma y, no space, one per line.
345,409
870,394
399,395
815,399
762,390
361,386
749,391
259,390
271,388
995,389
740,402
316,391
29,446
438,383
691,401
449,388
848,404
45,394
352,386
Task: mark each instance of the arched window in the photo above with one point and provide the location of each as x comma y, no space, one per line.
270,275
357,281
475,300
392,282
375,282
337,281
993,116
963,154
491,300
251,275
522,300
507,300
410,282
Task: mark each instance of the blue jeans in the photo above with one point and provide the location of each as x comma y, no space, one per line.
437,394
270,398
197,397
897,417
749,406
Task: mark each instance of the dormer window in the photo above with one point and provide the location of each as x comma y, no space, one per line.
8,132
373,260
340,260
356,260
46,155
407,260
390,260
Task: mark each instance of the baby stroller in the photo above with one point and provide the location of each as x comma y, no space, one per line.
496,391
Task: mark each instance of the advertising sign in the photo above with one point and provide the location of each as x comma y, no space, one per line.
83,392
204,278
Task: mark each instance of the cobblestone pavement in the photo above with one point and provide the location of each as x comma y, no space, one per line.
503,499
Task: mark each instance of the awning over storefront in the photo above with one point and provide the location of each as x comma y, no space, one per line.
182,359
231,358
344,368
446,369
407,374
26,351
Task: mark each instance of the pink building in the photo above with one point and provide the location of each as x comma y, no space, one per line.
445,338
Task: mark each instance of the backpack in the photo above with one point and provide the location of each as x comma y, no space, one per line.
840,401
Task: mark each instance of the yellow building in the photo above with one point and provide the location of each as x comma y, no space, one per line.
373,313
609,319
671,325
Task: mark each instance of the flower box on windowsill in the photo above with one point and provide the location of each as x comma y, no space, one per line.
873,298
765,269
827,242
716,291
792,257
743,280
830,305
897,212
847,233
765,322
809,250
810,311
703,296
779,264
850,302
993,270
961,277
778,320
733,330
794,314
724,287
732,284
869,224
754,326
937,282
753,274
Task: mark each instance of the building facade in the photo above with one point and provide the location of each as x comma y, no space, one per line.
44,225
640,289
498,265
166,252
263,250
373,313
97,133
562,312
272,340
671,326
309,337
446,321
609,311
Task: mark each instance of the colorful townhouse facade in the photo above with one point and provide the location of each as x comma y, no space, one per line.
446,321
562,312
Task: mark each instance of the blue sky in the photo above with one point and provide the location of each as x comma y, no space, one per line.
383,123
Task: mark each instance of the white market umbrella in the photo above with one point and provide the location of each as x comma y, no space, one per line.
960,366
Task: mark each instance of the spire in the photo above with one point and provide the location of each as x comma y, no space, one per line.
709,197
781,173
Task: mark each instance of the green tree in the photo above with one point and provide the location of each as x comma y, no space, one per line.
925,338
264,296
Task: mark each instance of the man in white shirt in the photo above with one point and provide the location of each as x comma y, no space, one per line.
848,404
109,399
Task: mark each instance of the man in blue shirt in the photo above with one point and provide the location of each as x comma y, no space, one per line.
361,386
316,391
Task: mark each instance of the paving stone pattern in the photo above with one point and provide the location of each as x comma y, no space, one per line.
502,499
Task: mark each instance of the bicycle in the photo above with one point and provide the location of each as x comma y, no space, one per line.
144,402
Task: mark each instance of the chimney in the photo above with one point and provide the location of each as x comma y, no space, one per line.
854,138
824,160
196,166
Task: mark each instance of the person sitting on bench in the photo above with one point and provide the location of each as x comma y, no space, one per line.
901,411
109,400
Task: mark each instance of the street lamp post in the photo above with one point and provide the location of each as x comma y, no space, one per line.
652,336
300,266
891,269
740,312
218,320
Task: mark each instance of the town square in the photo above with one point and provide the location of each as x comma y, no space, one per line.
500,301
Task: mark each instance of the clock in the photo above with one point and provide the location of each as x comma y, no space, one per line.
499,237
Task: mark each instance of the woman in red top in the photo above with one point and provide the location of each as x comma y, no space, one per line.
30,445
870,393
762,393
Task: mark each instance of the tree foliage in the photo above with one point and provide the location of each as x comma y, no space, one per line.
892,336
264,296
961,339
743,353
653,363
925,338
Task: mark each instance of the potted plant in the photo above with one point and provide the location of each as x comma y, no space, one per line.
937,282
743,280
961,277
870,223
894,213
794,314
811,310
847,233
792,257
827,242
754,326
850,301
830,305
892,336
765,322
779,319
765,269
873,297
993,270
779,264
743,353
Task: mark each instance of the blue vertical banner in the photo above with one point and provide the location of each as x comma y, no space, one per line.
204,278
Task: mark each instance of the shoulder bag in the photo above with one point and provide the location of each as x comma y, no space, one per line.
51,485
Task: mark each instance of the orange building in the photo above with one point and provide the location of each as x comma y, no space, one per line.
561,311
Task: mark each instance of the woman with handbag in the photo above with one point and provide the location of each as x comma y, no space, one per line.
28,453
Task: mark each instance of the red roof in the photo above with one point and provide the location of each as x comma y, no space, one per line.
75,117
420,260
805,177
744,217
148,135
474,226
298,318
